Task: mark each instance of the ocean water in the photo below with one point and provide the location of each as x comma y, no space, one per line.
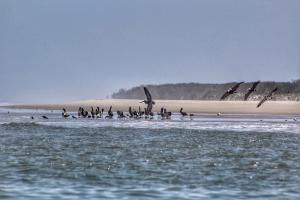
208,157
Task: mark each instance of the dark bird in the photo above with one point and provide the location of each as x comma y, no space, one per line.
92,112
267,97
80,110
120,114
110,113
184,113
44,117
167,114
130,112
64,113
98,112
250,90
231,91
149,100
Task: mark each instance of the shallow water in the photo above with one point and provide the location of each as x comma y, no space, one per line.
207,157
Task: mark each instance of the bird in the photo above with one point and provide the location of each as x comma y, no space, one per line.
149,100
184,113
79,111
64,113
110,113
250,90
120,114
130,112
167,114
92,112
98,113
267,97
231,91
44,117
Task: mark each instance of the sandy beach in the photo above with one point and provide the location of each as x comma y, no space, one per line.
191,106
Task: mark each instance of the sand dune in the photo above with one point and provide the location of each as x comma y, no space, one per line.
208,107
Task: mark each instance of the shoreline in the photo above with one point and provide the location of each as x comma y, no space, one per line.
190,106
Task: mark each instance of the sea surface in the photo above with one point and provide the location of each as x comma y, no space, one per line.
207,157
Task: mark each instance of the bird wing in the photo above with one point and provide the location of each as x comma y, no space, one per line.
266,97
272,92
226,94
234,88
148,95
262,101
247,95
254,85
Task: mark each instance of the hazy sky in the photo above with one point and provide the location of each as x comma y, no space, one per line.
59,50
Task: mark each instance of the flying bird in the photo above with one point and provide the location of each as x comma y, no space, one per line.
267,97
250,90
149,100
231,91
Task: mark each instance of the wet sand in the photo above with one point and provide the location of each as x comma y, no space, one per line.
190,106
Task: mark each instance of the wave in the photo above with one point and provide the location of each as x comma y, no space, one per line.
165,125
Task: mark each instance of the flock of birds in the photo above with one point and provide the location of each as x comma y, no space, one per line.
250,90
164,114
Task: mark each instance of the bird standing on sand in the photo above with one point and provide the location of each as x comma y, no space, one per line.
267,97
250,90
149,101
231,91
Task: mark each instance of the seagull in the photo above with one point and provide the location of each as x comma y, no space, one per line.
231,91
250,90
149,100
267,97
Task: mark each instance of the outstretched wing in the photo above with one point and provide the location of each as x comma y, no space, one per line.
234,88
272,92
254,85
148,95
262,101
247,95
266,97
226,94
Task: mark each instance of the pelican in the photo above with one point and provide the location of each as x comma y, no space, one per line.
231,91
149,100
110,113
250,90
267,97
184,113
64,113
